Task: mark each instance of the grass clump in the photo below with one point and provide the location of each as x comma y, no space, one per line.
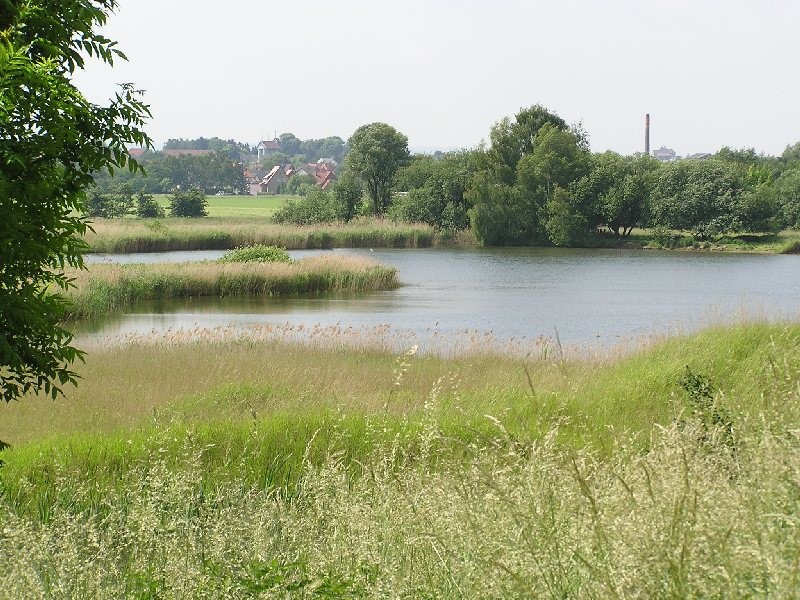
256,253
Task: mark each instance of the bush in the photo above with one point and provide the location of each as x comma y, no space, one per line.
109,205
319,206
189,203
148,208
256,253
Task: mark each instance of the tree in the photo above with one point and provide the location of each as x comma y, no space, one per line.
188,203
564,225
348,194
112,204
511,140
51,141
289,144
697,196
377,151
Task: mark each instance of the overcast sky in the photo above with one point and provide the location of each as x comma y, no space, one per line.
711,73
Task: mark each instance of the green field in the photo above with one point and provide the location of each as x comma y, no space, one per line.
238,206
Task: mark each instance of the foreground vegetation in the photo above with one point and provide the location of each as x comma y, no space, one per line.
159,235
224,467
107,288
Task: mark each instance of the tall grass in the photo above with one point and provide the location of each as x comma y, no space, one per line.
233,468
495,518
120,235
108,288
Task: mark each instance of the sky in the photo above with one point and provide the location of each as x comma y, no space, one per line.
711,73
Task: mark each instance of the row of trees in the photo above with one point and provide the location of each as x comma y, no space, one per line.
121,201
296,151
211,173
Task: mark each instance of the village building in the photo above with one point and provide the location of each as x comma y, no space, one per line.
267,147
274,180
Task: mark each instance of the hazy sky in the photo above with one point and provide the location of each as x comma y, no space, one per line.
710,72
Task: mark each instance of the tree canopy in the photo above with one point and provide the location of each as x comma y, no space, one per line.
51,141
377,151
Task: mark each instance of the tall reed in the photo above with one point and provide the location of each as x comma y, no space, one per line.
225,233
107,288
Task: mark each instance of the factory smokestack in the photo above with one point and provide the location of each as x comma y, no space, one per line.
647,134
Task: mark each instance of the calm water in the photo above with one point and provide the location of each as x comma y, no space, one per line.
586,296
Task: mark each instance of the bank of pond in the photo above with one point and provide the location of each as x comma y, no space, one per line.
220,467
223,233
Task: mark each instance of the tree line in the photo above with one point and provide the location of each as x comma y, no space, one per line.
537,183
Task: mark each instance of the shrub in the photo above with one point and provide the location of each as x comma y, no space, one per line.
148,208
189,203
318,206
256,253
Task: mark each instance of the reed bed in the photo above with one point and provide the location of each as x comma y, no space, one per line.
121,235
108,288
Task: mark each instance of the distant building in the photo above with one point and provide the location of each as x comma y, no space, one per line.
252,182
699,156
274,180
664,154
266,147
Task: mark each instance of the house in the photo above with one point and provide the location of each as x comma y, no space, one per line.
274,180
266,147
324,179
252,182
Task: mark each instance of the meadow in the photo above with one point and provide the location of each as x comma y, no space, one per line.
206,466
238,205
107,288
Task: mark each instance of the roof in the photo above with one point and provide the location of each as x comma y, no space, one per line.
323,178
273,171
136,152
269,145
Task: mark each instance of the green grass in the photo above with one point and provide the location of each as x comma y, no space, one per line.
238,205
229,467
109,288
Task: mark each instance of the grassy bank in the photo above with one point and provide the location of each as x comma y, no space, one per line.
229,468
222,233
129,235
108,288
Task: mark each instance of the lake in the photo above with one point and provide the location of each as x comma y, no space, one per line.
584,297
